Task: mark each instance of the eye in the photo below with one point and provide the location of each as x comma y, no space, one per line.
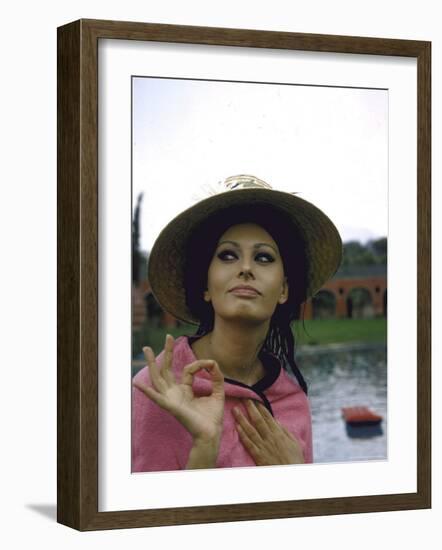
264,258
227,255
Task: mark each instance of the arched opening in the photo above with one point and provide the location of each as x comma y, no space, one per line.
324,305
359,304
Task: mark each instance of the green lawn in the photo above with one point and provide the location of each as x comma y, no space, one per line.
330,331
315,332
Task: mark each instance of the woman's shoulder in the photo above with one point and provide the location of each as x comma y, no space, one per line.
286,385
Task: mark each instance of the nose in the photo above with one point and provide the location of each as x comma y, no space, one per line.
246,270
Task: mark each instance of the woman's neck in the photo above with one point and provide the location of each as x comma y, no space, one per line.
235,347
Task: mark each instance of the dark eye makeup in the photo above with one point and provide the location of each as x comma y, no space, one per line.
264,257
261,257
227,255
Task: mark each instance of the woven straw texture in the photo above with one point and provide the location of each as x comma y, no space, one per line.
323,243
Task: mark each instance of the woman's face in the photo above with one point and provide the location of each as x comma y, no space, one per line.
246,275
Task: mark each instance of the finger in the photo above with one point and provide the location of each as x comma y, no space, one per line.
192,368
247,427
166,369
257,419
157,382
300,459
248,443
152,394
217,378
272,423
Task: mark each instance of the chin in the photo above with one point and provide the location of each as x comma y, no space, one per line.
245,316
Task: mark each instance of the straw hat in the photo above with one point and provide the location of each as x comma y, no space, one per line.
323,245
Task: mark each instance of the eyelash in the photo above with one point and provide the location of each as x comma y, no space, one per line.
224,253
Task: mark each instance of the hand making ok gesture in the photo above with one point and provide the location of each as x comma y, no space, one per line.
201,416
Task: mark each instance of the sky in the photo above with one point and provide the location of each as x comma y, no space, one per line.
328,144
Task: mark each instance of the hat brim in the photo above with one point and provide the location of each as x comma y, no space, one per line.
323,244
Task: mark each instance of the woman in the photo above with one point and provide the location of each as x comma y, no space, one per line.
239,264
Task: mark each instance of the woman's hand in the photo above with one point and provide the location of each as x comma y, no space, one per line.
267,441
201,416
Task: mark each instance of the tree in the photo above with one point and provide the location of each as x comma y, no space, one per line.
355,253
379,248
136,254
374,252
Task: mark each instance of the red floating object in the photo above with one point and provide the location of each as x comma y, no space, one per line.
358,416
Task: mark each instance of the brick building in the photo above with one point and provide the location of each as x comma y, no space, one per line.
354,292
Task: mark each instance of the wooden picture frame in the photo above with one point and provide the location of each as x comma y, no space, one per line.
77,224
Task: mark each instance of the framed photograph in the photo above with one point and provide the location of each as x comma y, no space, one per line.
154,120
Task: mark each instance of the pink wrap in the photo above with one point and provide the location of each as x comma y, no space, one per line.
160,443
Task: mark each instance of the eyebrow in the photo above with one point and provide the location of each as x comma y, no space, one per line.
255,246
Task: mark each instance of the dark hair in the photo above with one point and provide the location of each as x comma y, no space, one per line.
201,248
